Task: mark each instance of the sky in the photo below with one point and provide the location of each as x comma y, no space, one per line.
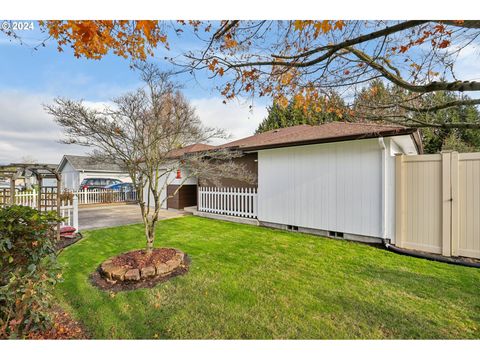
31,78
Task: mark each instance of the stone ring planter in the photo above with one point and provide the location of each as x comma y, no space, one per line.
123,269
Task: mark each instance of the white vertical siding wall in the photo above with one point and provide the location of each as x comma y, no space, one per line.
163,195
70,177
335,187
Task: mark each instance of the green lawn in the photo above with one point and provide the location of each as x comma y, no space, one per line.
248,282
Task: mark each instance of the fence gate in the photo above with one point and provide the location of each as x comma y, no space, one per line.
438,203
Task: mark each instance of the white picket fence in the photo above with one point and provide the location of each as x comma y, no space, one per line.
85,197
27,198
69,211
228,201
104,196
68,208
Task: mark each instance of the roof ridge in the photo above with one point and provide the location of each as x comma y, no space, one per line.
326,132
86,156
370,124
332,123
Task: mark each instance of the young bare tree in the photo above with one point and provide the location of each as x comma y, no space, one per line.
140,132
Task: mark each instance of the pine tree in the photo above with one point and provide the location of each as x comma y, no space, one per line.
461,140
435,137
292,115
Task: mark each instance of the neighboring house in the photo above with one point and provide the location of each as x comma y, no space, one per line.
74,169
335,179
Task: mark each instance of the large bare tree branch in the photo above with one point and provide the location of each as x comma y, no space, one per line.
303,65
432,86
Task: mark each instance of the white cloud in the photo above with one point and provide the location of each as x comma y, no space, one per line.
235,116
467,66
27,131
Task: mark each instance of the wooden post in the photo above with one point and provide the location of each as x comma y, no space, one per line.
39,201
58,203
455,235
399,200
446,204
12,191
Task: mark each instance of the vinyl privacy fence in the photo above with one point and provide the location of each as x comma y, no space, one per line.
438,203
228,201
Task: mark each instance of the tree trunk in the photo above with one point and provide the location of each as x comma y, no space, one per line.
146,226
150,237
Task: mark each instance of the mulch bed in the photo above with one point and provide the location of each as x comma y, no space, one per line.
67,241
64,328
138,259
100,282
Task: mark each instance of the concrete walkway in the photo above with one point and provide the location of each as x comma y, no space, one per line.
115,215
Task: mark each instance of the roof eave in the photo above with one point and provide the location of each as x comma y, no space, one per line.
389,133
62,163
103,171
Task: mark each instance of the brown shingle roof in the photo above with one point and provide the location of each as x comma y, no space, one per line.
190,149
308,134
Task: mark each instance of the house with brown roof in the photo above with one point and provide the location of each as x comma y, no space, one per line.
335,179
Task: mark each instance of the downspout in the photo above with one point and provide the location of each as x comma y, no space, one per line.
433,257
384,187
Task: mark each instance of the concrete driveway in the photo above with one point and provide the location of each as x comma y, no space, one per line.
115,215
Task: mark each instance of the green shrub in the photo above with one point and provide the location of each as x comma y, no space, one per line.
28,269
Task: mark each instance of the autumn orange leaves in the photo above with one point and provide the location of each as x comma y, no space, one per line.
93,39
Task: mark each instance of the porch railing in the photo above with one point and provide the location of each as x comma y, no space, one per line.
228,201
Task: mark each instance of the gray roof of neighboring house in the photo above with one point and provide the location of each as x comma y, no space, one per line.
86,163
